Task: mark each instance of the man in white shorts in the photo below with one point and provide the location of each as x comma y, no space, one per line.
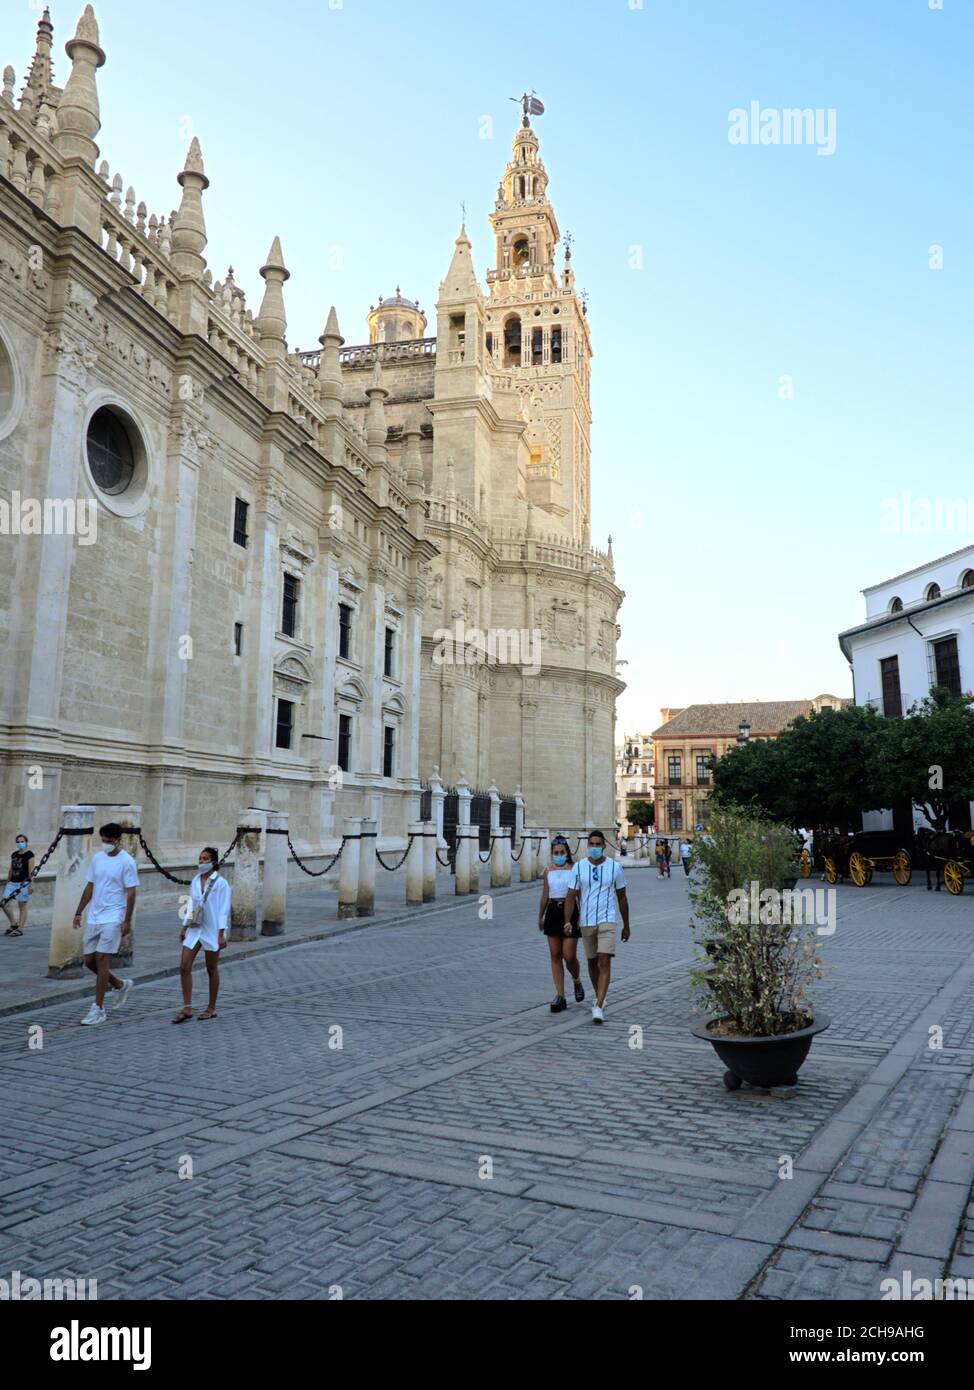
109,897
596,884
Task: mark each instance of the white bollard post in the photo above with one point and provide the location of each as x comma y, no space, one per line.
348,868
414,863
518,835
526,862
437,798
65,954
498,839
366,869
504,880
462,864
245,900
274,903
543,858
429,861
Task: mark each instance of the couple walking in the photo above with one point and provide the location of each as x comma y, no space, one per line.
109,900
579,901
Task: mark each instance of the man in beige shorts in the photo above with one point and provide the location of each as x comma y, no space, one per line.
596,884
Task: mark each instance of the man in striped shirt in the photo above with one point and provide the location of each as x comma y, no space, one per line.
596,884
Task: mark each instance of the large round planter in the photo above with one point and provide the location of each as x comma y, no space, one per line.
762,1062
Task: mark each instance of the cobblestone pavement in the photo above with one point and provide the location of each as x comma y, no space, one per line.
394,1113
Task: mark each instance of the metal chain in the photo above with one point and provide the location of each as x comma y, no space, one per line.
494,839
185,882
391,868
445,864
316,873
52,847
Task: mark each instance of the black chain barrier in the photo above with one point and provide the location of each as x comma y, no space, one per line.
185,882
535,840
391,868
316,873
445,863
51,848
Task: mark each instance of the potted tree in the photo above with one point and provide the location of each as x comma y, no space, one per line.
758,964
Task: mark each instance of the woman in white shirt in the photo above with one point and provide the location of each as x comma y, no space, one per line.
562,940
207,924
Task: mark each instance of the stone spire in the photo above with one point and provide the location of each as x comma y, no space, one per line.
461,280
329,367
271,322
40,78
9,78
413,464
79,115
375,420
189,225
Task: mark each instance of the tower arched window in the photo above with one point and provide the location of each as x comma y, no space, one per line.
521,252
932,591
512,341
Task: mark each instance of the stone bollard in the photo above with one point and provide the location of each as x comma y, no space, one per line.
500,839
463,874
245,899
429,861
274,901
349,868
65,957
414,863
366,869
526,862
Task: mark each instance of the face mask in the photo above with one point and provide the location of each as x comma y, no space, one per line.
559,858
108,846
21,844
204,868
595,851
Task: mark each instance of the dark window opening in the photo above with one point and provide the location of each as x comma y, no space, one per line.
111,457
389,651
289,609
703,771
889,670
389,752
238,639
947,665
285,723
512,343
674,815
344,741
556,345
240,510
537,347
674,771
344,631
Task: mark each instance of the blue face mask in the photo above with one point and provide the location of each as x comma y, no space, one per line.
559,858
595,851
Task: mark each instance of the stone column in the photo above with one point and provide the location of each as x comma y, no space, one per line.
349,868
505,864
245,901
518,820
429,861
274,904
526,862
65,956
414,862
127,817
499,838
437,798
464,864
495,809
366,870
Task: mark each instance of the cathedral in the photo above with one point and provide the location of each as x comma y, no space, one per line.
315,577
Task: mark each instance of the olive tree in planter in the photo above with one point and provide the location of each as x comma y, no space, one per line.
759,964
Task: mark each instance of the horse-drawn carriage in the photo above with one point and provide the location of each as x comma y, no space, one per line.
860,854
950,853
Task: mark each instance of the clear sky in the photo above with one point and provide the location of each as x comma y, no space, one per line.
744,524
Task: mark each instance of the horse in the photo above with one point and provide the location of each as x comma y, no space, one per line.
943,845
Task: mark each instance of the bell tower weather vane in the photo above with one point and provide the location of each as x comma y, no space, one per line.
531,105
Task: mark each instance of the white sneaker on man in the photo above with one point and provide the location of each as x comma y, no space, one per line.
118,996
93,1016
597,1014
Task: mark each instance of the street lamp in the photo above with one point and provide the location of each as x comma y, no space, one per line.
743,732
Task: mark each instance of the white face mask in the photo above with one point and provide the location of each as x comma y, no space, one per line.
109,846
205,867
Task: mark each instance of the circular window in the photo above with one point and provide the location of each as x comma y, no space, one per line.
111,457
115,459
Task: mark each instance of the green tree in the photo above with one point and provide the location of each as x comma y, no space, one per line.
929,757
641,813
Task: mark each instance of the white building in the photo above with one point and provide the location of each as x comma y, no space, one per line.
919,632
634,776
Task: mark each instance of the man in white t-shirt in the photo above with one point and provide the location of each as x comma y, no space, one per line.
595,885
109,896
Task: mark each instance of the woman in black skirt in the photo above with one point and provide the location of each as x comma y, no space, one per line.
562,943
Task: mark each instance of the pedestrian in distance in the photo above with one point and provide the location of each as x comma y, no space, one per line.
18,887
109,897
597,883
660,857
667,856
685,851
207,924
562,939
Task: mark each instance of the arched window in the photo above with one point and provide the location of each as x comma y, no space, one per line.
512,341
932,591
8,389
521,252
967,579
896,605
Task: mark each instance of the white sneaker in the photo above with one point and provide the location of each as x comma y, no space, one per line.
118,996
597,1014
93,1016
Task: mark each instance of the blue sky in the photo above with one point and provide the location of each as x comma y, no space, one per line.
744,525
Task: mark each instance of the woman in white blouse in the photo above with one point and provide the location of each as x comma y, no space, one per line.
207,925
562,940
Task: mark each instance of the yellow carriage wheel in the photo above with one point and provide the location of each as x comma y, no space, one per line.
953,877
902,867
831,872
805,864
860,869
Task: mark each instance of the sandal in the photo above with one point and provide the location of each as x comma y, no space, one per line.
13,931
183,1016
205,1015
